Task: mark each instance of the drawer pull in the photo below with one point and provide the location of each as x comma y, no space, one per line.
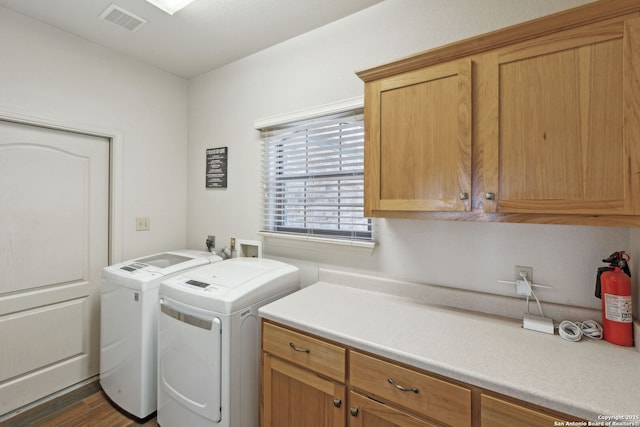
401,388
337,403
299,349
354,411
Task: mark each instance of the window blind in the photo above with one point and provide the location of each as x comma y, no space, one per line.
313,177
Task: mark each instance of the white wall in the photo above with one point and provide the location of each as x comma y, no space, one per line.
318,68
56,77
52,75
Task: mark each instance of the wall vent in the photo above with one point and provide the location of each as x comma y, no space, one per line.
122,17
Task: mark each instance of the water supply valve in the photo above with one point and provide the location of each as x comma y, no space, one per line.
211,243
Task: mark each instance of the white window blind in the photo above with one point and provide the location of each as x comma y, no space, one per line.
313,177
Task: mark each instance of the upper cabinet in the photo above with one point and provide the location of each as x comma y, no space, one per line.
418,150
565,138
539,122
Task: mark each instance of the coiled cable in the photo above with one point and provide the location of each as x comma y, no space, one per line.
573,331
591,329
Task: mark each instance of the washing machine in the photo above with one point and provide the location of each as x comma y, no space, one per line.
209,341
129,313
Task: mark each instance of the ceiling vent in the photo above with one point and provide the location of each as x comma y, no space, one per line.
122,17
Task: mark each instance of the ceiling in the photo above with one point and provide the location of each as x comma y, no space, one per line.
205,35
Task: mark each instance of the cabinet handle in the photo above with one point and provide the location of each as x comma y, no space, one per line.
463,196
337,403
490,196
300,349
354,411
401,388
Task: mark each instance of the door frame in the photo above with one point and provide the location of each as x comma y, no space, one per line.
116,172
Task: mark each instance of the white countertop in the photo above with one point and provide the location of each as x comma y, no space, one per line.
586,379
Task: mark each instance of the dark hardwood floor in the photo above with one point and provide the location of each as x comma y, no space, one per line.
87,406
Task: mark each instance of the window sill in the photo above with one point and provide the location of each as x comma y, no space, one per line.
300,241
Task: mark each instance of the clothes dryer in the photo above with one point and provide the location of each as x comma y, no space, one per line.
209,341
129,313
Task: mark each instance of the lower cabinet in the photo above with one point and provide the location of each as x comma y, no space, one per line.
496,412
294,397
366,412
305,380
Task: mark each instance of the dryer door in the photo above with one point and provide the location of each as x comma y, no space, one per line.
189,360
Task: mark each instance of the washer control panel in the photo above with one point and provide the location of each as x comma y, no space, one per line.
195,285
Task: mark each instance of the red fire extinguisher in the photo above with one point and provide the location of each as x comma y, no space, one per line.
613,286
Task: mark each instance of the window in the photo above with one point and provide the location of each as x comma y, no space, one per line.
313,177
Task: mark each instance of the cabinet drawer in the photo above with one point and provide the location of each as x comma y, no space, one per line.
500,413
319,356
365,412
426,395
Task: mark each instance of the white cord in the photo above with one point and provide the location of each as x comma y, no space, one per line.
571,331
524,277
591,329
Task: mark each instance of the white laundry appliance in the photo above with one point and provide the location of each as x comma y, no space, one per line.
129,317
209,341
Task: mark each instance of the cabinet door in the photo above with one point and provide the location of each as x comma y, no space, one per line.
294,397
567,123
366,412
418,140
499,413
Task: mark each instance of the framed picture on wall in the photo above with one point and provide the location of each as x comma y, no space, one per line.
216,169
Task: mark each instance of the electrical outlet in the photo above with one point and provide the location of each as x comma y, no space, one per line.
143,223
527,270
522,288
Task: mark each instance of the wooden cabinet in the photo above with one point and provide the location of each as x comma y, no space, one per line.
496,412
413,391
538,122
418,149
366,412
308,381
306,351
302,380
566,133
293,396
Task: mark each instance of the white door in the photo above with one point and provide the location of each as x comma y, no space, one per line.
54,214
